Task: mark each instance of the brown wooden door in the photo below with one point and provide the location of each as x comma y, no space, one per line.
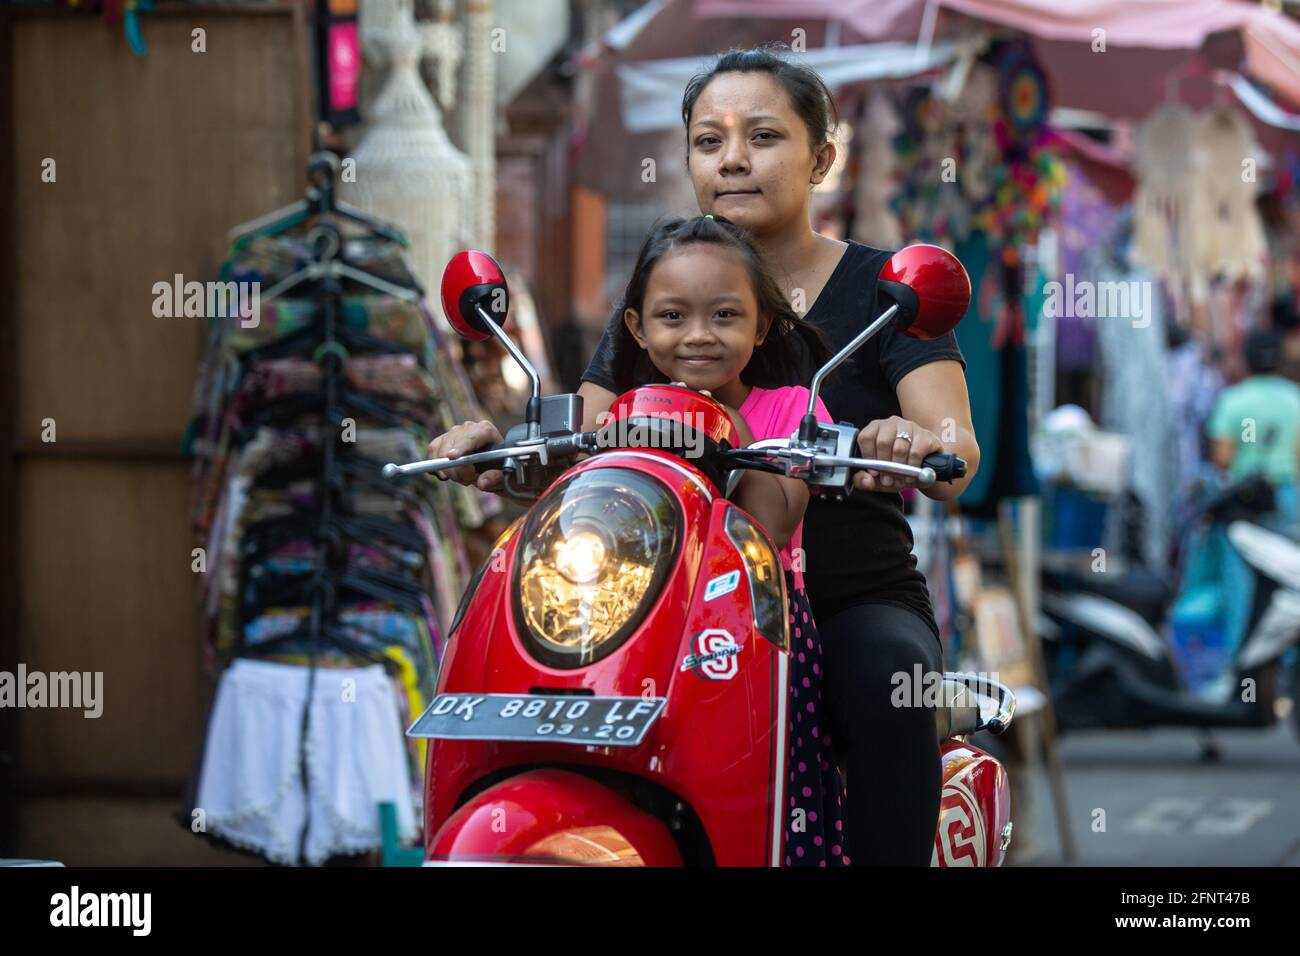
155,158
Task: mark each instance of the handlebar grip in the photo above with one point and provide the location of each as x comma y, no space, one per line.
482,466
946,467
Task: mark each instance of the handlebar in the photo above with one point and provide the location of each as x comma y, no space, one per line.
1001,696
779,456
555,447
773,455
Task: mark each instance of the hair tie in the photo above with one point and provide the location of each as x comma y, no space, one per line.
708,215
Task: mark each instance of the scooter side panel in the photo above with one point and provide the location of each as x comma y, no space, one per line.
731,772
974,809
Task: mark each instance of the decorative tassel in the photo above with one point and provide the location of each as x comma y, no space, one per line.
1163,161
1227,234
874,222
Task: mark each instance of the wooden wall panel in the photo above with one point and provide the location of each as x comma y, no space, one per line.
107,587
157,157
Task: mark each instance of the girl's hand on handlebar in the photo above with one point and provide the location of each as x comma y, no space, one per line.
465,439
893,439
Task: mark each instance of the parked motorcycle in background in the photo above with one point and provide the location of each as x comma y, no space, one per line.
1218,653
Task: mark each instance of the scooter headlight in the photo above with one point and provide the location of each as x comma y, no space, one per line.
592,558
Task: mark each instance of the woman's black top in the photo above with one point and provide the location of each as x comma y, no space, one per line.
858,551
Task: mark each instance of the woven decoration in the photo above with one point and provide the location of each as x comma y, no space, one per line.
1163,157
407,170
1023,91
1227,235
874,223
1007,179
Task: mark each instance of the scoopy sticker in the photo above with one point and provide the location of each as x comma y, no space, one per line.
723,584
715,655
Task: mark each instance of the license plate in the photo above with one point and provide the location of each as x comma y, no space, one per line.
603,721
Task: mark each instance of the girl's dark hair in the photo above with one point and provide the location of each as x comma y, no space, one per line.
790,353
808,93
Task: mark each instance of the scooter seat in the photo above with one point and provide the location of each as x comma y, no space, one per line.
1106,618
1268,552
959,712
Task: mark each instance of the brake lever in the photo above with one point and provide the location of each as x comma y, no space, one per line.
543,451
803,462
496,455
924,475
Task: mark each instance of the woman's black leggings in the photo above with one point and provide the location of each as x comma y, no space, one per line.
890,753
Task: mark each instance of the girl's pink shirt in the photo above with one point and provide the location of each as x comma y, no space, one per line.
775,413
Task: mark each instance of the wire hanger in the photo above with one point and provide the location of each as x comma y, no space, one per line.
322,172
328,243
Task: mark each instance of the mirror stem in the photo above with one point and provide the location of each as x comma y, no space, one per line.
534,414
808,426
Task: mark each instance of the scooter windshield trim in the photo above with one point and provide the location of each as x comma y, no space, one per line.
606,456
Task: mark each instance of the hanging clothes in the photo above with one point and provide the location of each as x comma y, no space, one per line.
327,590
252,790
1135,402
992,338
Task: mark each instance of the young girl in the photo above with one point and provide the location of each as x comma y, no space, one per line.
701,311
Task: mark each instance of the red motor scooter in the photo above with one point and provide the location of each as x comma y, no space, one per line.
614,689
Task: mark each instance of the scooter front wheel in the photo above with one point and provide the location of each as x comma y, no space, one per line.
551,817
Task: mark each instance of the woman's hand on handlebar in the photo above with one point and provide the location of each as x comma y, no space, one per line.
465,439
893,439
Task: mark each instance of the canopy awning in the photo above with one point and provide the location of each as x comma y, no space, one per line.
650,93
1271,40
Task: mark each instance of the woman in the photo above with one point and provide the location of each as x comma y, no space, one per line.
758,134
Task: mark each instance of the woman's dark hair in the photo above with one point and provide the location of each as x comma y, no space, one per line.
808,93
790,353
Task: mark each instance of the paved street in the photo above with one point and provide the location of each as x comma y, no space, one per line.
1164,806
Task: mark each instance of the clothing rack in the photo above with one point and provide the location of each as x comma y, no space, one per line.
331,555
304,562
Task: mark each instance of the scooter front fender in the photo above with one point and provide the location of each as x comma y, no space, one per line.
551,817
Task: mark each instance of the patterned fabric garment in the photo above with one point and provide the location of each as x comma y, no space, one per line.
393,320
401,323
279,492
244,504
814,832
271,258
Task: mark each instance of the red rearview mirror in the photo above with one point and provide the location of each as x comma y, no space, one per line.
473,280
931,288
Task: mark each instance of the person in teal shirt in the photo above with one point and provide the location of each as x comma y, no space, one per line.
1255,427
